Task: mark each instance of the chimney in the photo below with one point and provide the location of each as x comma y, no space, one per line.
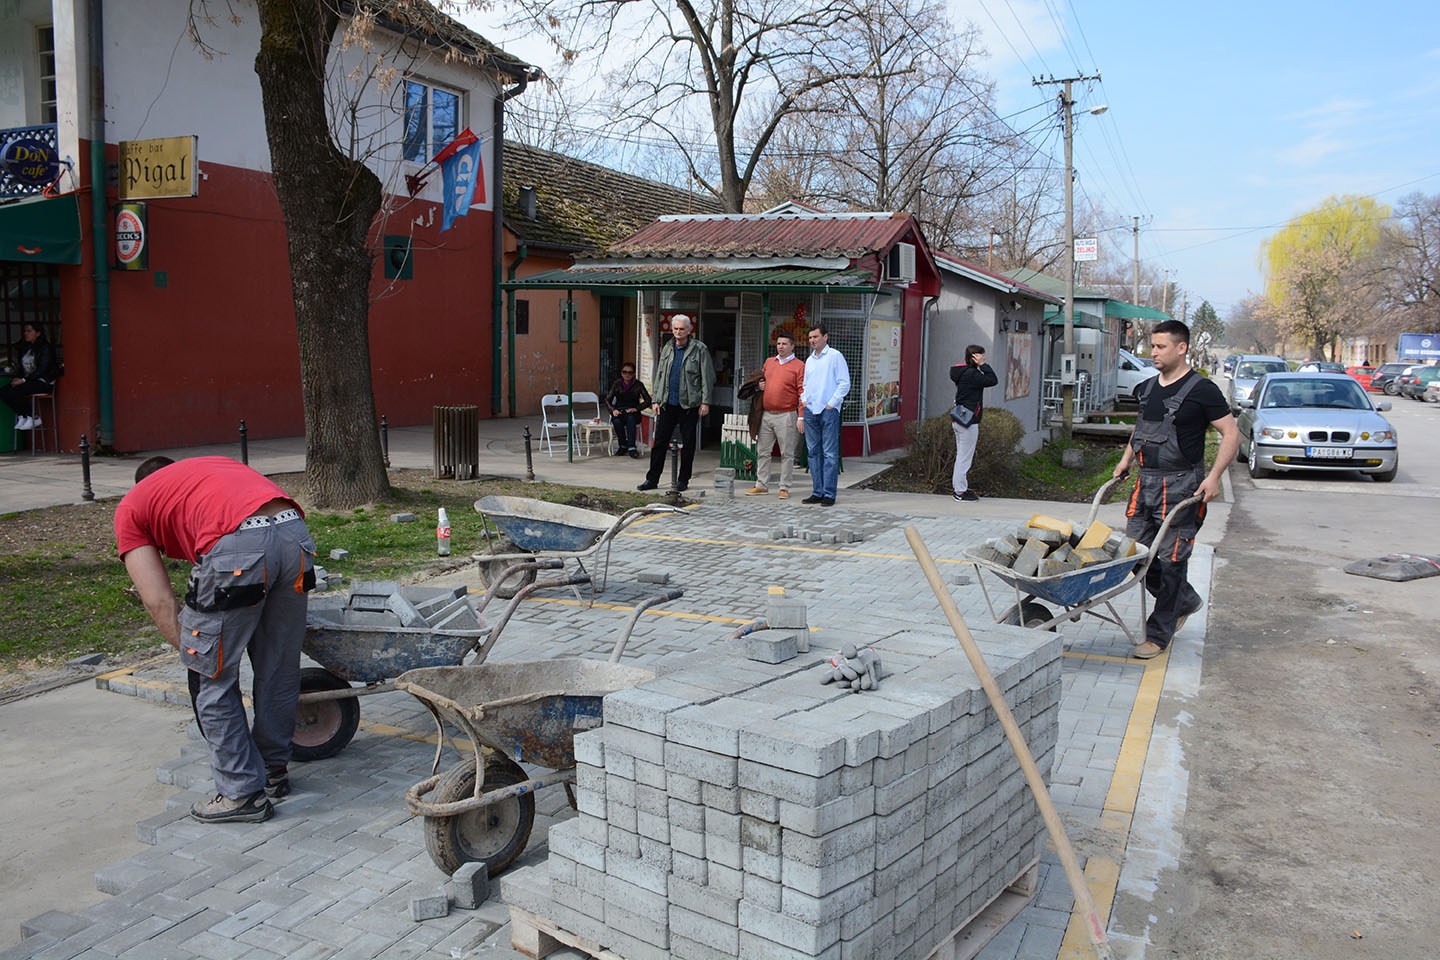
527,202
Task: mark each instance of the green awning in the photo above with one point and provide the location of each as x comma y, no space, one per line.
1133,311
42,230
1055,318
715,278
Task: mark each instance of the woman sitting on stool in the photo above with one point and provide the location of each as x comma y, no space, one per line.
626,398
38,370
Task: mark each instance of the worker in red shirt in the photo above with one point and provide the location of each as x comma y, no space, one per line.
254,562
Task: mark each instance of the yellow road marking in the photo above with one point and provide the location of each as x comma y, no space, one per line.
1102,870
124,671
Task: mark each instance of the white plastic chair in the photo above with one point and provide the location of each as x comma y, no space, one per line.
591,426
555,415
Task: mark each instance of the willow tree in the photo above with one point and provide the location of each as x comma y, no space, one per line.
1315,287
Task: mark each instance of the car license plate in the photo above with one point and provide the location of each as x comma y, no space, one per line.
1330,453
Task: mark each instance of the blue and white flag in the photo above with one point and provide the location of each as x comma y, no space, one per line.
462,171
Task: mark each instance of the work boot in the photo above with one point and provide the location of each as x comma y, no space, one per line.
1185,614
255,808
277,782
1148,650
756,491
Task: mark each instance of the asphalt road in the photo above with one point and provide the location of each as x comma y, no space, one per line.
1312,747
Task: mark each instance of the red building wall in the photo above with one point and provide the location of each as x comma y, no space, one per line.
217,341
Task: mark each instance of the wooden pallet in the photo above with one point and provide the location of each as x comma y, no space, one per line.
537,937
972,935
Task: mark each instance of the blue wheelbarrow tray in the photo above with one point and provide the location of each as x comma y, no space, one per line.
538,525
370,653
1073,587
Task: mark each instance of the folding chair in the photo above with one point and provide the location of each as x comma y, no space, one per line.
590,428
554,415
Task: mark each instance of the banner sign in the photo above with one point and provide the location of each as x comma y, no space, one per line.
882,377
1420,346
165,167
132,237
463,173
1087,248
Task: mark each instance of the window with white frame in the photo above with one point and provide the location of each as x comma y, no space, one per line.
45,58
432,119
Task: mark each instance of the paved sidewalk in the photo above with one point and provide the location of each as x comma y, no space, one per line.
334,872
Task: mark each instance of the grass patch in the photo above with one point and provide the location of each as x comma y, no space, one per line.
66,591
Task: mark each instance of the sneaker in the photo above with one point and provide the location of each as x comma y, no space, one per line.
1186,614
647,485
255,808
756,491
827,501
968,496
277,782
784,494
812,499
22,423
957,496
34,423
1147,651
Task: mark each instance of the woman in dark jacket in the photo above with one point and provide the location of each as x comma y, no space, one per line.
971,378
38,370
627,398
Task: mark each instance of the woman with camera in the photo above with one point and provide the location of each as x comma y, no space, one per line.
971,378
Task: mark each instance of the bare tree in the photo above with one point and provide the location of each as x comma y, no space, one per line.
1251,327
735,67
1407,267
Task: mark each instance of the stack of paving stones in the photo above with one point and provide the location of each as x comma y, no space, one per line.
1046,547
736,808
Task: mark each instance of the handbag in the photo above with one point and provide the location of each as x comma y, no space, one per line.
962,415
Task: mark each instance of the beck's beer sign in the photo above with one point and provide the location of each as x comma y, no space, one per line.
132,241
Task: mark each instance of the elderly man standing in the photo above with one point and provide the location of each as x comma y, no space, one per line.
254,562
827,381
684,380
782,381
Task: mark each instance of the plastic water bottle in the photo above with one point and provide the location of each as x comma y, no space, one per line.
442,534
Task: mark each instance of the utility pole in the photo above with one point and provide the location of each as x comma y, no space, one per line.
990,259
1135,296
1067,359
1165,296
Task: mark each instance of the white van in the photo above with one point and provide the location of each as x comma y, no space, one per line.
1133,372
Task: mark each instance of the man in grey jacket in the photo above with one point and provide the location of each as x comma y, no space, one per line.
684,380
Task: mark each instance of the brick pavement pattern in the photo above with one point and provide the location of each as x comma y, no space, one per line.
334,873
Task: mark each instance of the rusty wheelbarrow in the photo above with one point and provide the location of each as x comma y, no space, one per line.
511,712
367,647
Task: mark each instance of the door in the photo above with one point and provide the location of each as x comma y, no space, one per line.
612,340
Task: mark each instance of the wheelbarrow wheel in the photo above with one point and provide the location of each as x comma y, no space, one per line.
1028,614
323,728
490,571
493,835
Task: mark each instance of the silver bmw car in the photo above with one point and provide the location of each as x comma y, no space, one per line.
1316,421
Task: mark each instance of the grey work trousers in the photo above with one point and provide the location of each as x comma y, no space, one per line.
273,566
1156,491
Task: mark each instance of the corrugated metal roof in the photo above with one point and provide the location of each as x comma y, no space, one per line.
577,278
1052,285
1134,311
991,278
1055,317
849,235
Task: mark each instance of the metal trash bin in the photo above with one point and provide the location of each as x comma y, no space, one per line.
457,442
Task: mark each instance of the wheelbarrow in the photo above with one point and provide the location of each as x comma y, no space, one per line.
350,649
538,527
511,712
1087,591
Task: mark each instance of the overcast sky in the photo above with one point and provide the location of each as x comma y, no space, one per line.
1225,119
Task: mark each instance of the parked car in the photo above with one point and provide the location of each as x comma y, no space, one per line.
1432,392
1228,366
1414,383
1320,366
1316,421
1133,371
1383,378
1248,371
1361,374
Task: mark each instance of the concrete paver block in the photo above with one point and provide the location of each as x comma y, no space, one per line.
429,907
471,885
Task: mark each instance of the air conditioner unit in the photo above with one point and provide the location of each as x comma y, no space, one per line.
900,263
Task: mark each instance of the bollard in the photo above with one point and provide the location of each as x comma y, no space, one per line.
385,439
675,447
85,492
529,461
244,443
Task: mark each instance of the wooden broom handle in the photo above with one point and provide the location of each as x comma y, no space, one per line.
1094,929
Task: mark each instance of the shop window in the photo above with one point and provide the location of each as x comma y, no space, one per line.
432,119
522,318
29,293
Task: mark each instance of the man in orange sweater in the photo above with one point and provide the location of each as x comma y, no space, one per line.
782,382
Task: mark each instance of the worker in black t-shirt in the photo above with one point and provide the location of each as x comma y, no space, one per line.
1176,408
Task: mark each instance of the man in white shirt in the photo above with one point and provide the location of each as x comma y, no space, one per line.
827,381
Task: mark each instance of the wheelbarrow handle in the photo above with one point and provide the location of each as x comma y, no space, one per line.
548,563
1100,495
640,608
510,608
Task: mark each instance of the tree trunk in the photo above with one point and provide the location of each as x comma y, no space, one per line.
329,202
